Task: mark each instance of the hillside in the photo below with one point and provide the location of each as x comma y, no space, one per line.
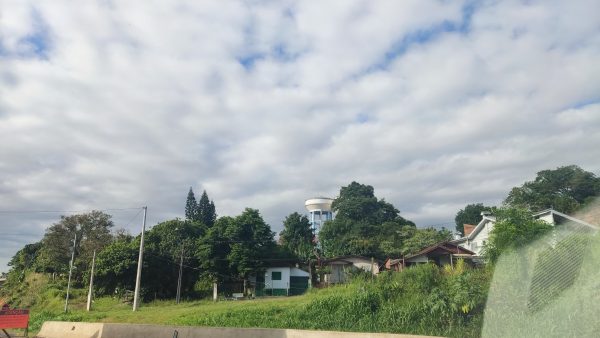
423,300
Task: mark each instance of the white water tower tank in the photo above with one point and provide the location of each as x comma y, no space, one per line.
319,209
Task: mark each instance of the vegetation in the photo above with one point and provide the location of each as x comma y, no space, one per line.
565,189
514,228
471,214
421,300
364,225
202,211
297,236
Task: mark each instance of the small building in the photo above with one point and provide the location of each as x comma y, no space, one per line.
282,280
341,266
444,253
477,236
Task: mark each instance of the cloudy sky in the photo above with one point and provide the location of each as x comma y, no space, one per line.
120,104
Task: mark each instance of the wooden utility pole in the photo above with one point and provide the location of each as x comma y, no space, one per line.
138,277
91,290
179,279
70,273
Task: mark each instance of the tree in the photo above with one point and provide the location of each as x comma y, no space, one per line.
422,238
164,246
191,206
213,248
206,210
93,233
565,189
297,235
24,258
116,266
364,224
251,243
471,214
514,228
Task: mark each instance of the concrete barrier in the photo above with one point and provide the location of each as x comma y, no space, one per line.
110,330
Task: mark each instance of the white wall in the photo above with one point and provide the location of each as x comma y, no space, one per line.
476,244
284,283
549,218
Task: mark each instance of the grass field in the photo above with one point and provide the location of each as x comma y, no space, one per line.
424,300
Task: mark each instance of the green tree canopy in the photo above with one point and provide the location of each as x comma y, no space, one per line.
205,211
565,189
251,243
364,225
116,266
297,236
93,231
191,207
164,245
471,214
422,238
514,228
213,248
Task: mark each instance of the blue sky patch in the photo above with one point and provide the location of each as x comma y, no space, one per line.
426,35
38,43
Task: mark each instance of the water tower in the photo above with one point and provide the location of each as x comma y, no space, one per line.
319,209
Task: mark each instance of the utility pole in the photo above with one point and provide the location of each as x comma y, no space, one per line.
89,301
138,277
70,273
179,280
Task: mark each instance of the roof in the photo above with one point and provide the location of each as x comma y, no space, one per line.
486,219
551,211
565,216
345,259
451,248
394,261
284,262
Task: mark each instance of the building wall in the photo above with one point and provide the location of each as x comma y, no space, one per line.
476,244
418,259
337,275
277,284
364,264
548,218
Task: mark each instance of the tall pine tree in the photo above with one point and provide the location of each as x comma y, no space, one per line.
191,207
206,210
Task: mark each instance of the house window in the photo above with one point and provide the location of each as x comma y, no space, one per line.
276,275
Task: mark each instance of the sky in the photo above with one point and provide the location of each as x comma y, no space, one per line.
436,104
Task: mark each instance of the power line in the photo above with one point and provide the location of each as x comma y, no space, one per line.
132,218
59,211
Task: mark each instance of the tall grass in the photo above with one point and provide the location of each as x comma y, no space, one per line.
420,300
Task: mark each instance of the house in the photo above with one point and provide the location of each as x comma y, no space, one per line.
340,266
476,237
281,280
444,253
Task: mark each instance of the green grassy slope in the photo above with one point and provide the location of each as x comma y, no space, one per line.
423,300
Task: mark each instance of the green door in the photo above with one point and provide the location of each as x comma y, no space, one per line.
260,285
298,285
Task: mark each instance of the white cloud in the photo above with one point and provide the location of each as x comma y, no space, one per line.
264,103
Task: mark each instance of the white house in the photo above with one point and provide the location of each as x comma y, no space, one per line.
340,266
281,281
476,237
